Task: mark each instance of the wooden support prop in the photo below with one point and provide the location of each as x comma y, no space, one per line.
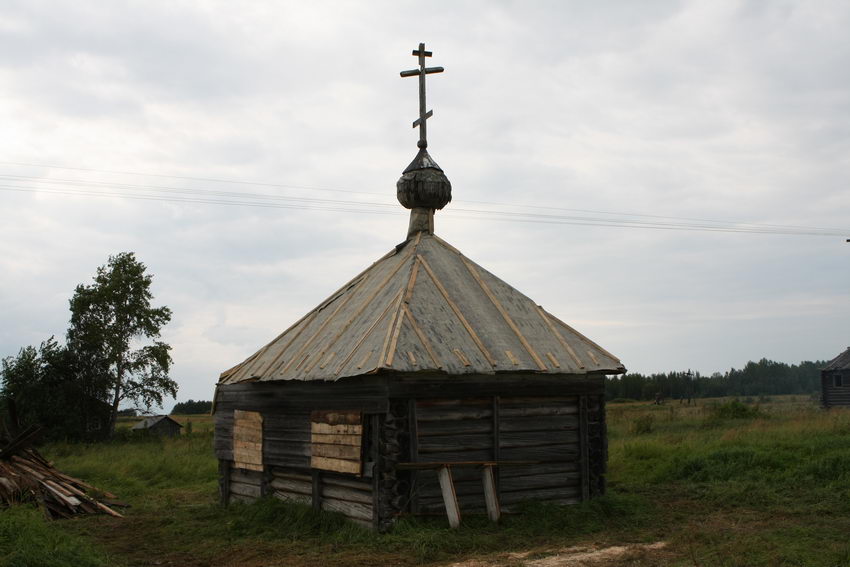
491,497
444,473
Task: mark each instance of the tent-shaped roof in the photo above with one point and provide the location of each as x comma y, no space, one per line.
840,362
424,307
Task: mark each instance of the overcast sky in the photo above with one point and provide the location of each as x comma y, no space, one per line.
594,113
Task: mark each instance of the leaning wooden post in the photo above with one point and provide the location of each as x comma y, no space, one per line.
444,473
491,497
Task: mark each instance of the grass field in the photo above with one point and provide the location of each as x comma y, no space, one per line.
721,483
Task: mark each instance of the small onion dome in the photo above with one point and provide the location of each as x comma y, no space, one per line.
423,184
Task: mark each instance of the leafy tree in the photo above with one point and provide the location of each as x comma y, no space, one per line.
46,391
113,335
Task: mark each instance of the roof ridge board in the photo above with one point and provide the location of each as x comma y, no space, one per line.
274,361
564,343
447,245
454,307
393,329
426,344
367,334
353,281
388,355
324,324
503,312
363,305
584,338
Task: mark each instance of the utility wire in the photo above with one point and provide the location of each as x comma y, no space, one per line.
265,200
344,206
339,190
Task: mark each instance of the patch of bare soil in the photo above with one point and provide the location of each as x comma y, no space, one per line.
579,556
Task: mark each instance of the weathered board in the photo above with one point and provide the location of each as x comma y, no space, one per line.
247,441
336,441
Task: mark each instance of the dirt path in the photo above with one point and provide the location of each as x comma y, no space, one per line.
637,554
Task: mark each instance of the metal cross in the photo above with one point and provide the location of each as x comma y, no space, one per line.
421,72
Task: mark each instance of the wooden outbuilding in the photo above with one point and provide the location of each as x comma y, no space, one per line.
161,425
424,385
835,381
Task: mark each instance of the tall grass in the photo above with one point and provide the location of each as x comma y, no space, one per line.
725,483
26,540
142,465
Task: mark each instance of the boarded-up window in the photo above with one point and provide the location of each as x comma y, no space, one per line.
336,441
248,440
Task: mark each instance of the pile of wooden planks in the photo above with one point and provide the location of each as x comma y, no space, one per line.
26,476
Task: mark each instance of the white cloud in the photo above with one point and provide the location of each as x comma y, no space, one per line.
688,109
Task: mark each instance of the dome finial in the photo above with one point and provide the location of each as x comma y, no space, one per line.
423,185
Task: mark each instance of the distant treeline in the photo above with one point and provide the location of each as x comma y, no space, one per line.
762,378
192,407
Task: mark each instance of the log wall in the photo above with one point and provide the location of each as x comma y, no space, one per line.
833,395
558,425
564,436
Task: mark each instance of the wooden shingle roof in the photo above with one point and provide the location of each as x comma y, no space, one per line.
424,307
840,362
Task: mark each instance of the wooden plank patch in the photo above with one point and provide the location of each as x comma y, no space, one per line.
336,441
248,440
336,465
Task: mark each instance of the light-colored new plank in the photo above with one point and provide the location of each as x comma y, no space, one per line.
336,465
338,439
332,429
347,452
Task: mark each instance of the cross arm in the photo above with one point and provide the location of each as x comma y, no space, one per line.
416,72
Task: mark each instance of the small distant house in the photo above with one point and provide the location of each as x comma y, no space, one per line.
835,381
161,425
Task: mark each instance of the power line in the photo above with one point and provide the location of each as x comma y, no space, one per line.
265,200
349,191
343,206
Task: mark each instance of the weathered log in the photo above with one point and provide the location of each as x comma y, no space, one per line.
242,489
351,509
